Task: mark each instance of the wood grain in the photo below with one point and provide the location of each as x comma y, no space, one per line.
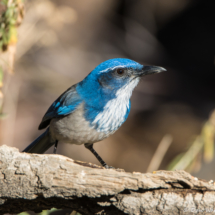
38,182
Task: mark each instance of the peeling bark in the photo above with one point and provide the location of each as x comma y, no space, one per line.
37,182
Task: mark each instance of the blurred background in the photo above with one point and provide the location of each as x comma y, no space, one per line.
171,123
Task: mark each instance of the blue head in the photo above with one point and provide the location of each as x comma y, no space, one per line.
112,76
111,83
115,74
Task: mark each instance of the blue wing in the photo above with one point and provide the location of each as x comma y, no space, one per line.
64,105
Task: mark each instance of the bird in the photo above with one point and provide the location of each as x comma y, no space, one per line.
92,109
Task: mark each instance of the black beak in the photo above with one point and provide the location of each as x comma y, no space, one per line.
148,70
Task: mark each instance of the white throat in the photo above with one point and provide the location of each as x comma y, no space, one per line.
116,110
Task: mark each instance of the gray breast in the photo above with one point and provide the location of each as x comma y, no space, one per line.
74,128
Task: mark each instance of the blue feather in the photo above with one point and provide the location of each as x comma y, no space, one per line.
64,105
116,62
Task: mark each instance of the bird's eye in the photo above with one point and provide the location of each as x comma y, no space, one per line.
120,71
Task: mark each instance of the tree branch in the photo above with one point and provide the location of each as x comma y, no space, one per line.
37,182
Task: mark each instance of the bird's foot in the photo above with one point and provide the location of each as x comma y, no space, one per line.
111,167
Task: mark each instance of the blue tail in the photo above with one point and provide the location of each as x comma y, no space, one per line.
41,144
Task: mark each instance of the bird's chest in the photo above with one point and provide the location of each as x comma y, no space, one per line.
74,128
113,115
88,125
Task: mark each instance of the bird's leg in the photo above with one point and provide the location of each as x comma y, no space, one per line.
55,147
90,147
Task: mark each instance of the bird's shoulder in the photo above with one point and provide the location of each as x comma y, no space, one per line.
65,104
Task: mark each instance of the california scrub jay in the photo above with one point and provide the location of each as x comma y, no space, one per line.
94,108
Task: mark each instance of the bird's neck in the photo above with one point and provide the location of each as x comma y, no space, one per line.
113,115
110,114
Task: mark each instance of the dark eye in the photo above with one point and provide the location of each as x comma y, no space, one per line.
120,71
